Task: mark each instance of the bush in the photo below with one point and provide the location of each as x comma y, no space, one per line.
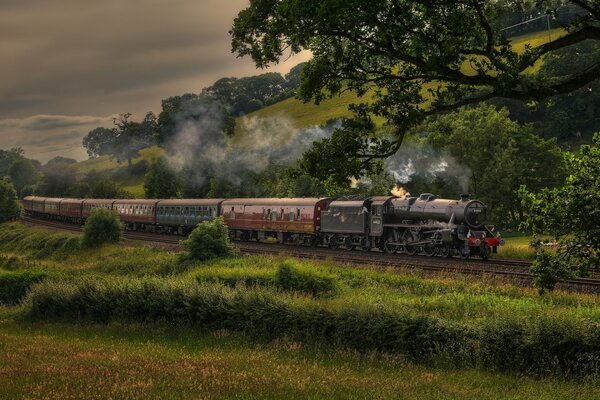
209,240
9,204
292,278
102,226
39,243
15,285
541,347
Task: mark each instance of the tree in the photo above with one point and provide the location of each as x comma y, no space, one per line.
500,156
59,177
125,140
23,173
102,226
570,214
415,58
209,240
8,157
9,202
97,186
160,182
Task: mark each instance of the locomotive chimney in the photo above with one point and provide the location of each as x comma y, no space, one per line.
465,197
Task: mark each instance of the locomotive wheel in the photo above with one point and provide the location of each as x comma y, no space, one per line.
446,251
430,250
389,246
348,244
484,251
409,236
464,252
333,243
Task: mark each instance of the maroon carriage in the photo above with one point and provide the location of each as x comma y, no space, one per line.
296,219
52,207
91,204
137,213
28,204
70,209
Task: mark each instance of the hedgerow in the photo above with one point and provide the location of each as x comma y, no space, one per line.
15,285
527,346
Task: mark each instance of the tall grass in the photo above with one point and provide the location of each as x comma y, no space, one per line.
39,243
542,346
15,285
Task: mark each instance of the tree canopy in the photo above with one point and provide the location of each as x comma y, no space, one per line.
414,58
9,203
571,216
124,141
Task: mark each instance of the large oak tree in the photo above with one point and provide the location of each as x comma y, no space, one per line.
415,58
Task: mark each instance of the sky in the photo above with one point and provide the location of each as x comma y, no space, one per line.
69,66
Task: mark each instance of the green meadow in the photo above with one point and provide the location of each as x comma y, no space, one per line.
140,322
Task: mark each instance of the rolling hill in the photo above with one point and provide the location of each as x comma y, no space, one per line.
301,115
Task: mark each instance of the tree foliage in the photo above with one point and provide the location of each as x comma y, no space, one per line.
59,177
160,182
416,58
9,203
99,186
102,226
571,216
124,141
23,174
500,155
209,240
177,111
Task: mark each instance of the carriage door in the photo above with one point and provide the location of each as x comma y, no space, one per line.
376,220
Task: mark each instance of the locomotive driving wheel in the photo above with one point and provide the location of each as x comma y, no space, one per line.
410,236
429,250
390,246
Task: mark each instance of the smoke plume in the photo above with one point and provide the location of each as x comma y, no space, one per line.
417,158
200,147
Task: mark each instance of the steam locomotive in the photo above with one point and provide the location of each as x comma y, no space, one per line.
426,224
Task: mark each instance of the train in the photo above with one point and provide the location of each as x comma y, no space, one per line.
425,225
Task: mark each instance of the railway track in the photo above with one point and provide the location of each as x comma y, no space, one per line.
514,270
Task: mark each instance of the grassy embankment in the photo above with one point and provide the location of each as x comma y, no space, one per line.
111,322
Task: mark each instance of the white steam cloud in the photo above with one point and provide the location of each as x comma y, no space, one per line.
201,149
414,159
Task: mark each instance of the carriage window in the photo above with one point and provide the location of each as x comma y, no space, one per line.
298,213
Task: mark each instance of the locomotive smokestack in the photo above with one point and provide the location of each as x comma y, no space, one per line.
465,197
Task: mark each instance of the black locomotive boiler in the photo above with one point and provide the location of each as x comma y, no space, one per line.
426,225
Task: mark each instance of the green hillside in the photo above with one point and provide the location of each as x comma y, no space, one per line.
305,115
302,115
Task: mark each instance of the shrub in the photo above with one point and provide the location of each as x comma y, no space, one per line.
539,347
102,226
234,276
293,278
39,243
209,240
9,204
15,285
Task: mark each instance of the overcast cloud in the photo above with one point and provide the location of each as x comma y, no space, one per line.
70,65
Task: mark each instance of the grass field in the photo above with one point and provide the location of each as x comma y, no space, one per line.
58,361
147,357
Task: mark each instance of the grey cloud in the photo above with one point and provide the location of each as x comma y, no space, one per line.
46,136
45,122
82,58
